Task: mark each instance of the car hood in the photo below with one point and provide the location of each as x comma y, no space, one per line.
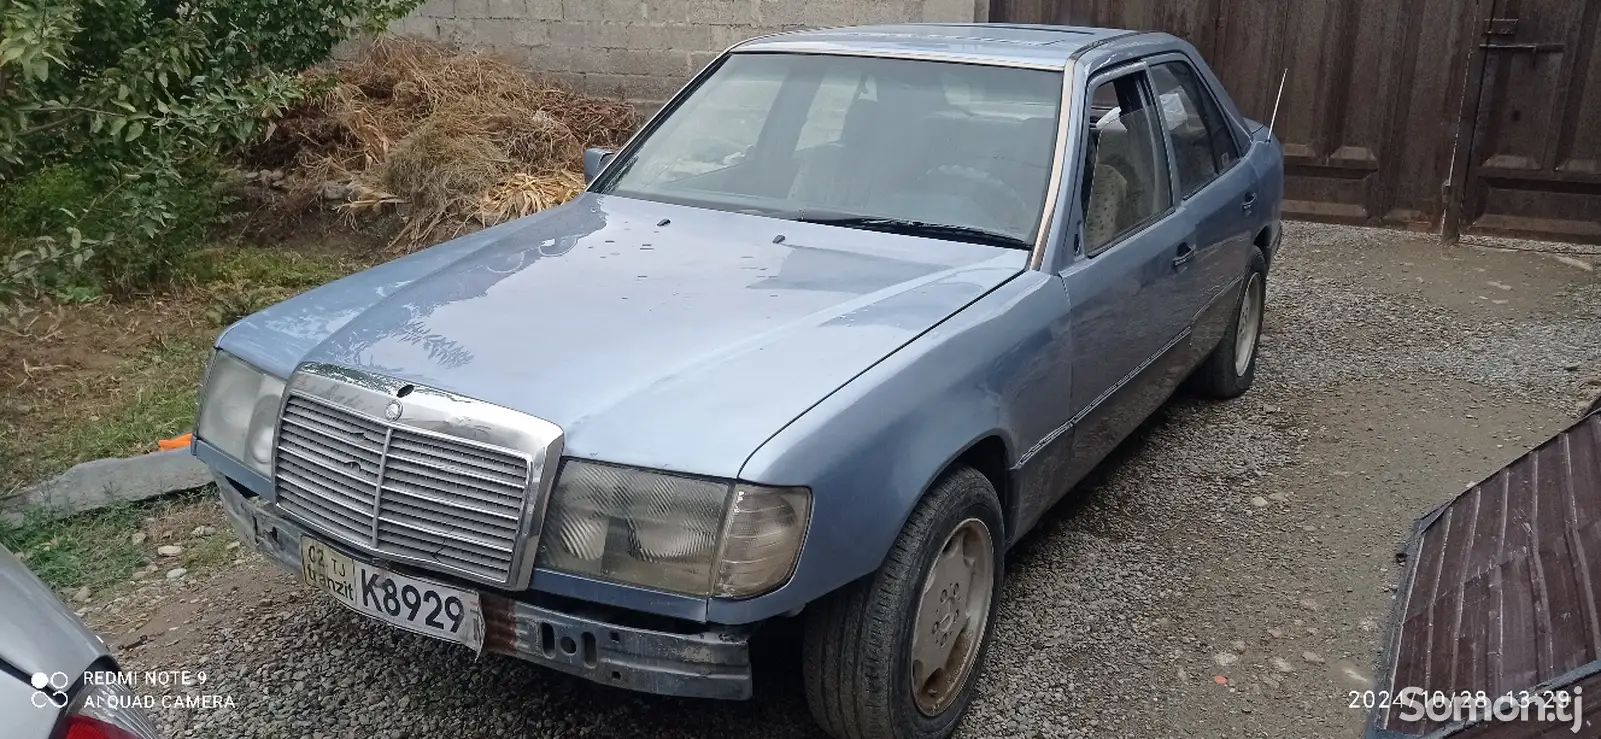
658,335
38,633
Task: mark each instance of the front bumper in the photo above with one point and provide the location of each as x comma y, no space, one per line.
712,663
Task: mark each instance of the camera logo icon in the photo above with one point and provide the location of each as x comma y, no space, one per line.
50,689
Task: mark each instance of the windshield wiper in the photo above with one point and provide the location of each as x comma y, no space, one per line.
947,231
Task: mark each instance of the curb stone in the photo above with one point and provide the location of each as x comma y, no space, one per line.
91,485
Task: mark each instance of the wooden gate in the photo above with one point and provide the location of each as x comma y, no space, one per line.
1532,122
1374,104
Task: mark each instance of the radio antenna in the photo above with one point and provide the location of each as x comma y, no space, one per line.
1277,100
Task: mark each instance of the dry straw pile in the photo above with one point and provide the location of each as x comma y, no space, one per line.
453,138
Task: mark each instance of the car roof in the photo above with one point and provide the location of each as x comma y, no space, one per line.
1012,44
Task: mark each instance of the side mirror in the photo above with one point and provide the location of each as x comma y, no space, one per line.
594,161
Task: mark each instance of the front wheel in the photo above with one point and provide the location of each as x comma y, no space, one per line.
896,655
1231,367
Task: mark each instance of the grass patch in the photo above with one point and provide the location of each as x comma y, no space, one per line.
211,550
243,280
268,267
96,549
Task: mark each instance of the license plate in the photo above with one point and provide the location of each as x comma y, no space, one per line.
414,604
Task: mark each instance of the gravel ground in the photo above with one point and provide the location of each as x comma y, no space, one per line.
1229,571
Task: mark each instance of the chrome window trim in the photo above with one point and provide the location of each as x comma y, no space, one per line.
432,412
1048,65
1053,188
1067,139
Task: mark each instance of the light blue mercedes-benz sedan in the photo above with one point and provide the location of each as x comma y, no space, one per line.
824,339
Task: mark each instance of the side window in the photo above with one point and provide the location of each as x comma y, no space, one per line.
1125,162
1202,143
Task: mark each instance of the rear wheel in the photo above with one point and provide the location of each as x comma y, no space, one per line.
1230,369
896,655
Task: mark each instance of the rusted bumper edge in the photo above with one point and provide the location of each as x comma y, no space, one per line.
708,664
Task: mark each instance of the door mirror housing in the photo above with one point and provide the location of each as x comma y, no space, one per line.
594,161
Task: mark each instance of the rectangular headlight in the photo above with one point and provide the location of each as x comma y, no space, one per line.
690,535
239,410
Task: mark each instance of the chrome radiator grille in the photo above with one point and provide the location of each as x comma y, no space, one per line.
437,500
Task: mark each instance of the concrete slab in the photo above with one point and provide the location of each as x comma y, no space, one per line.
103,482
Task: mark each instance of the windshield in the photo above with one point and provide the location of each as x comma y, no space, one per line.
860,142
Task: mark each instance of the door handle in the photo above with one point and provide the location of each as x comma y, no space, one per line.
1250,200
1186,252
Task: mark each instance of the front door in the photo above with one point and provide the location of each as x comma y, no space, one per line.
1124,282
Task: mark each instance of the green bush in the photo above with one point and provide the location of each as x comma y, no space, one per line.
179,213
191,203
49,201
132,102
45,202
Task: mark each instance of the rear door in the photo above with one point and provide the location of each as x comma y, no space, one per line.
1217,194
1123,282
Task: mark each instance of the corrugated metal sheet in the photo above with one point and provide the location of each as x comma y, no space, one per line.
1501,592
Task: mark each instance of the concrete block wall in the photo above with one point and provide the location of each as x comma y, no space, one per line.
647,49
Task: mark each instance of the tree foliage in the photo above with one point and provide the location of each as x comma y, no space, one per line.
133,101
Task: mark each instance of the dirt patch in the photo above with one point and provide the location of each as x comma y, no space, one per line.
1293,616
88,381
1478,282
108,379
51,345
160,621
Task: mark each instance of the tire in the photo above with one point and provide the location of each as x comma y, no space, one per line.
1223,374
857,649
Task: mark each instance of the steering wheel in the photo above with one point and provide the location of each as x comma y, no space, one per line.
1002,202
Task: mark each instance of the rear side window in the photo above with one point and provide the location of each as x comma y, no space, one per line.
1202,143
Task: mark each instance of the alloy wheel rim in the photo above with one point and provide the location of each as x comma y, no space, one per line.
952,615
1250,326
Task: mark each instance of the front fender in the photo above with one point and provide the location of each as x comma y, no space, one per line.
873,448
